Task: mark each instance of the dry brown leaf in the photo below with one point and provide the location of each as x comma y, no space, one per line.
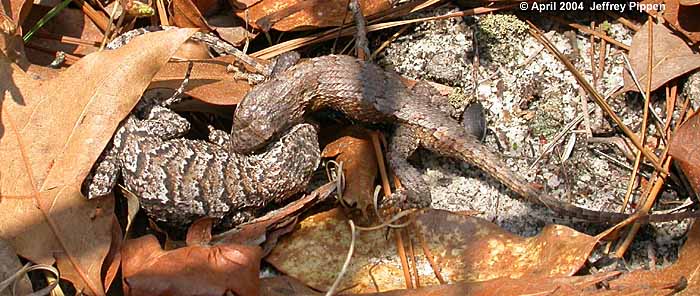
197,269
9,266
11,43
683,17
231,28
69,22
199,232
284,286
235,35
186,15
17,10
671,279
294,15
113,259
52,132
206,6
355,150
467,249
209,81
685,150
560,285
274,224
193,50
672,58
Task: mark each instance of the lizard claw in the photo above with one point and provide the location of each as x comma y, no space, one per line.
404,198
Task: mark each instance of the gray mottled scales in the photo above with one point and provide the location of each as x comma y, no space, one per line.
178,180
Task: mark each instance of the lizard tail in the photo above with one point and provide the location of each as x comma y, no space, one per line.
473,152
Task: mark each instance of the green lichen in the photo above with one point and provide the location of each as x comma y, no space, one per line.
458,98
139,9
605,27
548,117
500,35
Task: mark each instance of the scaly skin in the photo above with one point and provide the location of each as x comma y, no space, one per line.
179,180
367,93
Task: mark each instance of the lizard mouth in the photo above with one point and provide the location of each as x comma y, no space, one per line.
247,139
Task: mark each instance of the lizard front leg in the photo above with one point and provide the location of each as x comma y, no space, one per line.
163,123
160,123
414,192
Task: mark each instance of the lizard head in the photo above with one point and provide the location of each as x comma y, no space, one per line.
268,110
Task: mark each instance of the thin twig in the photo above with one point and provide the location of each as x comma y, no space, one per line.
587,30
402,256
274,50
162,13
70,59
361,43
615,161
414,266
342,24
671,99
658,122
659,180
625,22
380,161
95,16
108,31
388,41
67,39
429,256
347,260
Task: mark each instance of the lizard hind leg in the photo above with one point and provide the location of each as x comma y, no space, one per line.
414,192
104,175
218,137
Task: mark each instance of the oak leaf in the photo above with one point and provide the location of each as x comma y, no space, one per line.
672,57
197,269
51,133
467,249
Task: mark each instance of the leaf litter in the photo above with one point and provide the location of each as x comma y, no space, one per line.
463,247
53,131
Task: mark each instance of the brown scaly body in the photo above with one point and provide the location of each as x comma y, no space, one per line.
365,92
178,180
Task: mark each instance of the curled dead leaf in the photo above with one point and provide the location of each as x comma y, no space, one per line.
682,16
672,57
293,15
667,281
273,224
467,249
210,81
185,14
53,131
685,150
192,270
11,44
355,151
